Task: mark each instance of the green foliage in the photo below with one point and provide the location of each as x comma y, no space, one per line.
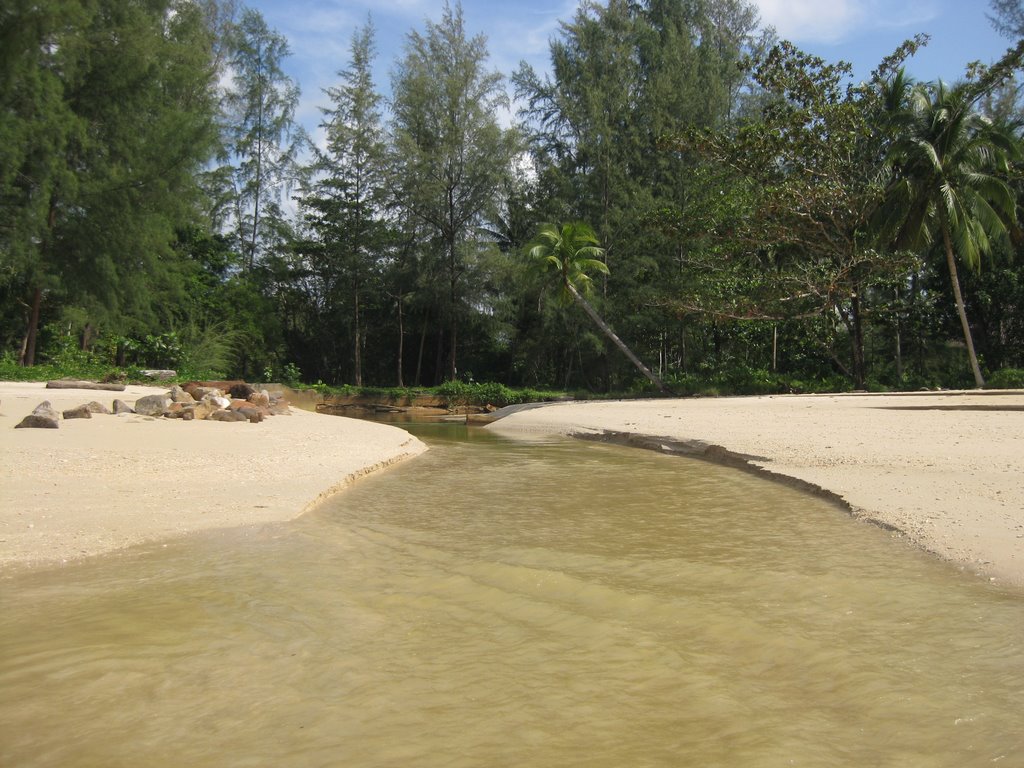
465,393
207,352
459,393
1007,378
60,358
734,206
261,133
449,158
288,374
746,381
572,251
291,375
349,237
948,177
109,114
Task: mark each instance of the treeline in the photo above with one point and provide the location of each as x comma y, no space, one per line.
732,213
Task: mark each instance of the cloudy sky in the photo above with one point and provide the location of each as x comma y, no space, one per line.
858,31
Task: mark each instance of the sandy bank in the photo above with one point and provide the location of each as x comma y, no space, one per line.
110,482
947,469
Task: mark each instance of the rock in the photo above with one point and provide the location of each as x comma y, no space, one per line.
279,406
261,398
241,390
43,417
179,395
153,373
223,386
120,406
220,401
254,415
95,407
184,411
205,409
152,405
81,412
198,392
225,415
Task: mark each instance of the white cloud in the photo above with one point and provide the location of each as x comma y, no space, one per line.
829,21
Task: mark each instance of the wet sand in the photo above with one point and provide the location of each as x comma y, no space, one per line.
102,484
945,469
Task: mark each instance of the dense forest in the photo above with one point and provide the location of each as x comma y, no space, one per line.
681,202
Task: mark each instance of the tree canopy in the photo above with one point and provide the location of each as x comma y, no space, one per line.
745,215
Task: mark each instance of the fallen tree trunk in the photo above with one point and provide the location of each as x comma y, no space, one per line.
70,384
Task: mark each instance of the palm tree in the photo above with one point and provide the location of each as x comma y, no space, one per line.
948,165
572,252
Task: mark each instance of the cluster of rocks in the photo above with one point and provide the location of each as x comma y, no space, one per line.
213,401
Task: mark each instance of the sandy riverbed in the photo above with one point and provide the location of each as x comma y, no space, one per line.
946,469
109,482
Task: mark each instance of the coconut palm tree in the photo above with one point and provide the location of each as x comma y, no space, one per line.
572,251
948,166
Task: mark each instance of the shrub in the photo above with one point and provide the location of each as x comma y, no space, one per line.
1007,378
484,393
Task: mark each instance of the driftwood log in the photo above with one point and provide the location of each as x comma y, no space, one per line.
69,384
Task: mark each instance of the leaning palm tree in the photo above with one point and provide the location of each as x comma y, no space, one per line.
572,252
948,166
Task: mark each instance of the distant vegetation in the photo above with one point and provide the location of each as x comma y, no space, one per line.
725,213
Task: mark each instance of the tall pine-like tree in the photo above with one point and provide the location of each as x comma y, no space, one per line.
449,152
262,137
109,113
345,207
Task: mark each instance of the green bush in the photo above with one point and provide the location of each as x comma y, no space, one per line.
466,393
458,393
207,352
749,381
1007,378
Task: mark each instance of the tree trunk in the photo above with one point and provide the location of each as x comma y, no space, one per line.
401,342
259,188
979,382
28,356
453,372
606,329
851,321
860,367
453,289
899,341
357,357
86,339
417,380
439,357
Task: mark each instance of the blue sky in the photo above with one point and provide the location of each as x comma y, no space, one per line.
858,31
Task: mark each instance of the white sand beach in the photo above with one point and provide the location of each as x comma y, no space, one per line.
109,482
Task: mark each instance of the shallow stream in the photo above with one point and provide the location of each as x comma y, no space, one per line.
496,603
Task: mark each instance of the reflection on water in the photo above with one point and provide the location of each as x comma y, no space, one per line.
510,604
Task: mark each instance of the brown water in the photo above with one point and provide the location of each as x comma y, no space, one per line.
503,604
